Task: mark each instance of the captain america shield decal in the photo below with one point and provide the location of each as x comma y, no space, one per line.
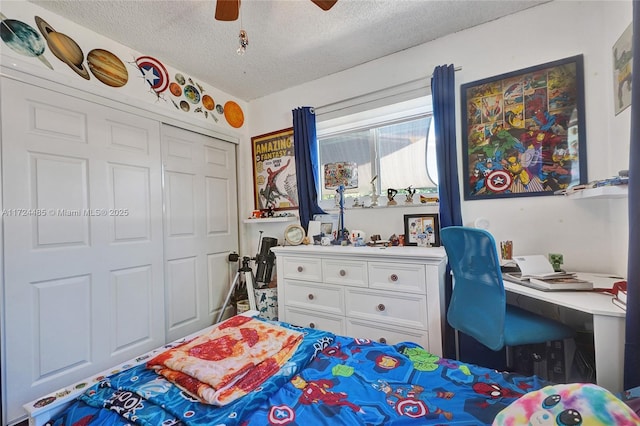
498,181
281,415
154,73
413,408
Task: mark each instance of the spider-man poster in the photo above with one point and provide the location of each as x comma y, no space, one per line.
523,132
274,171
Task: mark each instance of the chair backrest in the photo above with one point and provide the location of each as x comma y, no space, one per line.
478,302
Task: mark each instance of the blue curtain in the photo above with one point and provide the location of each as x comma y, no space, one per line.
305,147
443,92
632,335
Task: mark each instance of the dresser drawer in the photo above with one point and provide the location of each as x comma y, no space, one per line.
312,320
386,334
317,297
303,268
343,272
407,277
406,310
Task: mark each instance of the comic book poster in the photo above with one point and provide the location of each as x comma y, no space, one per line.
274,171
524,132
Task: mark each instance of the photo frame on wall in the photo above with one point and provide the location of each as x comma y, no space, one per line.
523,132
622,70
422,230
274,171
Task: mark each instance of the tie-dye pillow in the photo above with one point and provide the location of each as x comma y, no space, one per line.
565,405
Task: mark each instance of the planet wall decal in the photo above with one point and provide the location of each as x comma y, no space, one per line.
107,68
192,94
207,102
233,113
63,47
175,89
22,38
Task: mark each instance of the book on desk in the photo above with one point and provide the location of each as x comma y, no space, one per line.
536,272
566,281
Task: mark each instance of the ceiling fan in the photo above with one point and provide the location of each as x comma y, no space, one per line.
228,10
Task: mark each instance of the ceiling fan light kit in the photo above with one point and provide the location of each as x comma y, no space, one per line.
244,42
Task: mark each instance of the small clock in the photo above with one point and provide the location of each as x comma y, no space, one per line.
294,234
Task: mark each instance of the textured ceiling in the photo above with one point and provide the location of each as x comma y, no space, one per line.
290,41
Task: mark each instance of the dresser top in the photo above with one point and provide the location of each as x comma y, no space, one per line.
399,253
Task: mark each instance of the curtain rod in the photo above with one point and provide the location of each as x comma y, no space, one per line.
406,83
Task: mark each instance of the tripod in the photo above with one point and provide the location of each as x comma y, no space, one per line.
245,272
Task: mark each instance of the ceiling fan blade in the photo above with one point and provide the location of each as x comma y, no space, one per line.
324,4
227,10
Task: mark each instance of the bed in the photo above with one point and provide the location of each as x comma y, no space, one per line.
249,371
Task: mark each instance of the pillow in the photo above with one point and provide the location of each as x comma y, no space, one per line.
569,404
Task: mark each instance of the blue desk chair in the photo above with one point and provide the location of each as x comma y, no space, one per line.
478,305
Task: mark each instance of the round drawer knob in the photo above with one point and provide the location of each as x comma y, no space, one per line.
312,325
310,296
382,340
343,272
300,269
380,307
394,277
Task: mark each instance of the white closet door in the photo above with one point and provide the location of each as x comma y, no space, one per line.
201,227
82,239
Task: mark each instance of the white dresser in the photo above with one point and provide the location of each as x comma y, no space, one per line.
388,295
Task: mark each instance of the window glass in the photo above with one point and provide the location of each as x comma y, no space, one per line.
399,152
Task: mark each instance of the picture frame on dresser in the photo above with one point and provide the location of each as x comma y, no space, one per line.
418,225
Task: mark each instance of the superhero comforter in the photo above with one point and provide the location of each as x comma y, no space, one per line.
328,380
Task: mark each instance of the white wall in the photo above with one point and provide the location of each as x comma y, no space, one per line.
592,234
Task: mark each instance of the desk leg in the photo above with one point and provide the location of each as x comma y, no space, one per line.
608,339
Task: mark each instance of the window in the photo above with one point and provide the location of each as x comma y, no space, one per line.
394,144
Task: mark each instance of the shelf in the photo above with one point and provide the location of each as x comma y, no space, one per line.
272,219
612,191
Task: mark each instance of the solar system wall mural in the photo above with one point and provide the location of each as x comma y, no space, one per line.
185,94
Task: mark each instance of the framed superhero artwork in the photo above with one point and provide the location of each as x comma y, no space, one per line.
523,132
274,171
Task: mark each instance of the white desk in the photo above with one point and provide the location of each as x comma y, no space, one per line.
608,323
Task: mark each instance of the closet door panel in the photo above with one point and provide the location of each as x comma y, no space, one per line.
132,307
84,285
201,226
63,336
129,207
182,288
61,191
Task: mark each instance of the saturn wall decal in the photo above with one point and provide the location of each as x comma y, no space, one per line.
63,47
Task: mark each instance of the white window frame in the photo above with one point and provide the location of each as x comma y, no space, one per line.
403,111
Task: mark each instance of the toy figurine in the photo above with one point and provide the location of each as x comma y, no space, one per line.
374,193
390,194
409,196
